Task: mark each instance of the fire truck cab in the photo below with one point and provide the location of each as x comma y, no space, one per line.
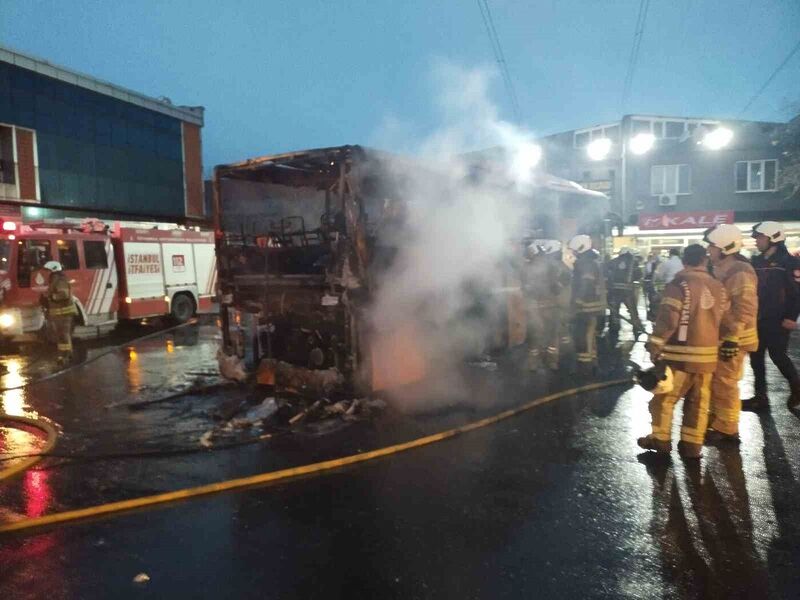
126,273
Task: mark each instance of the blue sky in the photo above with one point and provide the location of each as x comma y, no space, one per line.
277,76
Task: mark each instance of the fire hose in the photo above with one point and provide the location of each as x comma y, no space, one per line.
272,477
27,462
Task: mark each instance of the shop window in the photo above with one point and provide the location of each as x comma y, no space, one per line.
94,254
68,254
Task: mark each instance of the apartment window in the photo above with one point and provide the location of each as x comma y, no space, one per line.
670,179
7,171
584,136
582,139
756,175
673,129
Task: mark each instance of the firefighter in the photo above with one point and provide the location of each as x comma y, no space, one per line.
778,307
623,276
60,309
588,300
737,275
543,285
686,337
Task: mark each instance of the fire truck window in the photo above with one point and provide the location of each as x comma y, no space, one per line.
32,255
68,254
95,255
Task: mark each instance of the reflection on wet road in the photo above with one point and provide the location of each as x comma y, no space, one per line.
558,502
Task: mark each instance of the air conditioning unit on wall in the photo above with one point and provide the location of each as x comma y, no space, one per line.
668,200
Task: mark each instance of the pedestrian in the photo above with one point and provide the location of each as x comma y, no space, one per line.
542,285
623,276
737,275
61,310
686,338
667,270
588,301
778,307
653,262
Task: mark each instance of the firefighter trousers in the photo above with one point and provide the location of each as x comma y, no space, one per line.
61,326
544,327
726,405
630,301
775,339
695,389
584,333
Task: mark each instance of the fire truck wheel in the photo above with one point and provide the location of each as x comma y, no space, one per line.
182,308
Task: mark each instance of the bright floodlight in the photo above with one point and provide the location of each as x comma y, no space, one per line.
642,142
719,138
526,156
599,149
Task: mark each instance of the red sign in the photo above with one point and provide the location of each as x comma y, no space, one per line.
684,220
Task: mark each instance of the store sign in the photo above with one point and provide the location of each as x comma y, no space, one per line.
684,220
602,185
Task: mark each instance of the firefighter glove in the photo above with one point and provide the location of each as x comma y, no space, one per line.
729,350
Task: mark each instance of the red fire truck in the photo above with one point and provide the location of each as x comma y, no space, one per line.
117,273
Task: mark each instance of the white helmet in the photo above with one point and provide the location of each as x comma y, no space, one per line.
580,243
726,237
53,265
625,250
772,229
548,246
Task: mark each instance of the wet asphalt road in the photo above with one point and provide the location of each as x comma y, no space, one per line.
558,502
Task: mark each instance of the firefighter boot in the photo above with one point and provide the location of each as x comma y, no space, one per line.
650,443
533,361
718,438
551,358
690,451
758,403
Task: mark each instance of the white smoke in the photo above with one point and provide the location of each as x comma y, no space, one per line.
461,229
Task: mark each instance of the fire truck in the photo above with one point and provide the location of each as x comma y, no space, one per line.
115,273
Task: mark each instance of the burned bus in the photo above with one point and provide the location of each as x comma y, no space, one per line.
304,240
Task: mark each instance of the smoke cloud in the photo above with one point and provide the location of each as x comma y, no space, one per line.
433,308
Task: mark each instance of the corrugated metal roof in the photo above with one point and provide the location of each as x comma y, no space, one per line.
190,114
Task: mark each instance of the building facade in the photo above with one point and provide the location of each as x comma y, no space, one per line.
666,173
72,145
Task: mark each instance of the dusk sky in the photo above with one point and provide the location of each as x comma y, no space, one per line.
279,76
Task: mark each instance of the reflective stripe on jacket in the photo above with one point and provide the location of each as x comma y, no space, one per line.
741,284
588,285
687,328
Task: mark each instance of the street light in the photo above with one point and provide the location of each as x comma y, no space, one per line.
642,143
719,138
599,149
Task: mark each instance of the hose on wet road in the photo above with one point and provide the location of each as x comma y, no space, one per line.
94,358
293,472
27,462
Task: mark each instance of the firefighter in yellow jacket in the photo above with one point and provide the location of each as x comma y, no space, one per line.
61,310
741,284
588,300
686,337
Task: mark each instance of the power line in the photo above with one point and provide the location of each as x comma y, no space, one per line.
641,19
497,50
777,70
